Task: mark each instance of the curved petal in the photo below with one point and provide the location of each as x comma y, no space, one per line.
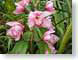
13,23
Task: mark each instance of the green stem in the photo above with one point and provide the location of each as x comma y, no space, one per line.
31,47
65,39
9,43
39,32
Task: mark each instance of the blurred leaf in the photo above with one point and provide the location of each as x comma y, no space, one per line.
42,47
33,1
27,36
36,36
20,48
29,7
59,27
66,38
9,43
41,5
40,31
9,4
2,27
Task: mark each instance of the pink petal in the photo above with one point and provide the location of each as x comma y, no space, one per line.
12,23
33,21
54,39
45,14
20,6
49,32
53,50
38,22
31,18
47,23
49,7
22,3
19,10
47,37
13,33
18,36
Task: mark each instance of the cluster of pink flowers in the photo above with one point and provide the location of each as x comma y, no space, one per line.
36,19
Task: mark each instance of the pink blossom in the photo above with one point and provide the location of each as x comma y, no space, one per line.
53,50
50,39
20,6
49,36
50,45
15,31
39,19
49,7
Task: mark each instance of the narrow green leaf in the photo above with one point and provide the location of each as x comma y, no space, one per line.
40,31
36,36
9,43
66,38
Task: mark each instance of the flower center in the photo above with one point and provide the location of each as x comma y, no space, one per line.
37,17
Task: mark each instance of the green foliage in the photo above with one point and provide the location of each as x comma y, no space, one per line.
20,48
41,5
27,36
65,38
9,5
42,47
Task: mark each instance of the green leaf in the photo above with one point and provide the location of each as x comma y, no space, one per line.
2,27
59,27
41,5
9,5
29,7
20,48
27,36
33,1
40,31
9,43
36,36
66,38
42,47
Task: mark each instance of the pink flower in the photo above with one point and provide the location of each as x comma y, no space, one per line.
53,50
49,7
50,39
15,31
20,6
39,19
49,36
